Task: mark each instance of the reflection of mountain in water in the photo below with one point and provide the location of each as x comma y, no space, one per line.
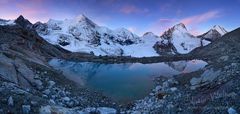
178,66
125,81
88,70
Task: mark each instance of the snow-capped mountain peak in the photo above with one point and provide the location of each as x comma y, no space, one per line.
180,27
6,22
176,30
149,35
215,32
81,17
178,40
85,20
82,34
220,29
124,31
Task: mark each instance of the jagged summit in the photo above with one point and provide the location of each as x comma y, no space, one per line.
220,29
23,22
149,35
177,29
20,17
177,39
82,34
85,20
215,32
180,26
81,17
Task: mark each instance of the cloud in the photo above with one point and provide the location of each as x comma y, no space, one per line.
193,23
30,10
129,9
34,11
193,20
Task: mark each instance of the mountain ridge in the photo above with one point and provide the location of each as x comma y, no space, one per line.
215,32
81,34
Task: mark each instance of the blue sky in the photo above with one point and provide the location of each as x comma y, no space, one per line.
138,16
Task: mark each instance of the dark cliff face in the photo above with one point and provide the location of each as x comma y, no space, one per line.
165,49
23,22
22,47
211,35
25,73
19,49
228,44
214,33
20,39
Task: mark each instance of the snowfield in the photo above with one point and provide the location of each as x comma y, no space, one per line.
83,35
6,22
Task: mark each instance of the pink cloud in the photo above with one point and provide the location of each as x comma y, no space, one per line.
32,10
193,20
129,9
192,23
29,10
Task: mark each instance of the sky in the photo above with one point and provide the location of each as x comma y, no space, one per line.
138,16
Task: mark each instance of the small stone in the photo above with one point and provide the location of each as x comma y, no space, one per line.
165,84
161,95
28,90
232,111
158,88
224,58
173,89
66,99
89,110
51,84
193,87
194,81
70,104
10,101
151,94
62,93
34,103
106,110
39,84
36,77
1,111
51,101
45,96
26,109
47,92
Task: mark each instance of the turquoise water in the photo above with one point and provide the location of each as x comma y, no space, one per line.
123,82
